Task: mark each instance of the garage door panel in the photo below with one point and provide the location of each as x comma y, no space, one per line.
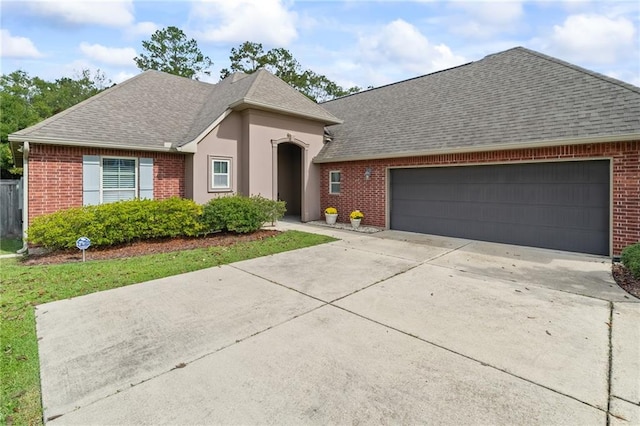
509,233
528,193
555,205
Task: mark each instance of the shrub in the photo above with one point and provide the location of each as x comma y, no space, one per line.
237,213
61,229
631,259
272,209
116,223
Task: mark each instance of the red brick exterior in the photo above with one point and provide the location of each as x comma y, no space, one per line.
55,175
369,196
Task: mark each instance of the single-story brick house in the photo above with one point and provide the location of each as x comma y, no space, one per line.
518,147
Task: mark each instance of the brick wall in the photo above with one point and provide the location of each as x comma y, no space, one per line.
55,175
370,195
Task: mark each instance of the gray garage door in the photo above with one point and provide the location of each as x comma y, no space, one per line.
562,206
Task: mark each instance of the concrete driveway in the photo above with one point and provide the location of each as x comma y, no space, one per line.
391,328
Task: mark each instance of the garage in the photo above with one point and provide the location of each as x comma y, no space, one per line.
556,205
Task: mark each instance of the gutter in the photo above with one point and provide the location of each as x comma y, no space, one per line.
88,144
25,196
484,148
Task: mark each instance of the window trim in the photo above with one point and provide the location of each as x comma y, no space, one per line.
136,186
211,175
332,182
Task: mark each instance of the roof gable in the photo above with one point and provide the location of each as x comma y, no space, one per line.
147,111
506,99
270,92
159,111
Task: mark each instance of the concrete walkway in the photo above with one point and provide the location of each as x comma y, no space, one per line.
385,328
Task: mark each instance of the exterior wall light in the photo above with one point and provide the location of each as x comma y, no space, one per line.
367,173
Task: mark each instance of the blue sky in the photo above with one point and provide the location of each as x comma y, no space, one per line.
353,42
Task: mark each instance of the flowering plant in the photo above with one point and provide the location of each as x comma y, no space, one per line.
331,210
356,214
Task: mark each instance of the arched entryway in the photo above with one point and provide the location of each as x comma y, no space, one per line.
289,174
290,177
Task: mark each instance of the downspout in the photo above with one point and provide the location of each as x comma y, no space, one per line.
25,196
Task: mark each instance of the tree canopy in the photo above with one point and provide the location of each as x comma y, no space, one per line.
250,56
170,51
26,100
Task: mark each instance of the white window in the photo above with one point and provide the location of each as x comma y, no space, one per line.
109,179
334,182
219,174
119,179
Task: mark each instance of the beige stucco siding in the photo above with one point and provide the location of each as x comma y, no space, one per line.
265,127
247,139
223,142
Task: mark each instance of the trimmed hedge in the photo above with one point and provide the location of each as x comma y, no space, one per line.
125,221
116,223
631,259
237,213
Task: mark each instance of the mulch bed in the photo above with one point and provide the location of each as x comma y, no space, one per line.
141,248
626,280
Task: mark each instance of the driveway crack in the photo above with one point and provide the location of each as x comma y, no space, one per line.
609,373
483,363
447,252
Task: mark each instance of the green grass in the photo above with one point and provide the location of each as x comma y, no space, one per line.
10,245
23,287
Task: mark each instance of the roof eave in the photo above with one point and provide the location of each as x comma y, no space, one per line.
16,151
502,147
16,138
248,103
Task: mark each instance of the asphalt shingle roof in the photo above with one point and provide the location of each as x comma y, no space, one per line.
155,109
514,97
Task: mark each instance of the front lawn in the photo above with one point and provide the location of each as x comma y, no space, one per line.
23,287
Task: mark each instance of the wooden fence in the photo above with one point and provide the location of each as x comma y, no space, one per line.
10,209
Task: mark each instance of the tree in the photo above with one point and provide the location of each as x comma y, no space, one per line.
24,101
66,92
247,58
170,51
321,89
250,56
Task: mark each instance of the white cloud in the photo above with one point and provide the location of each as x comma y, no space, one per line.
17,47
144,28
484,19
109,55
113,13
497,13
270,22
592,38
122,76
399,48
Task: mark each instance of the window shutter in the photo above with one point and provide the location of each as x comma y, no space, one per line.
90,180
146,178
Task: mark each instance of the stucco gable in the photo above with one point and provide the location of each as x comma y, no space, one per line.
271,93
